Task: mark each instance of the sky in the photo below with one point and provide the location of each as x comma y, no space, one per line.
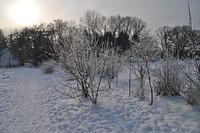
156,13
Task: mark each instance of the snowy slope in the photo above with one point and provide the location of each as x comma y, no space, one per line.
29,103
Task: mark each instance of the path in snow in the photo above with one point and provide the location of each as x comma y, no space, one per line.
22,108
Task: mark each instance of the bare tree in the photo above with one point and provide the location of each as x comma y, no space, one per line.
146,51
164,41
62,30
93,22
179,36
129,61
138,29
140,73
83,63
114,24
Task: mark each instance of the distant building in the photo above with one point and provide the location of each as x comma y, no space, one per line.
197,31
7,59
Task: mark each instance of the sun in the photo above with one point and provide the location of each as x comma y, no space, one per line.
25,12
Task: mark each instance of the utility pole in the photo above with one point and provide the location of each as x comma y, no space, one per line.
189,13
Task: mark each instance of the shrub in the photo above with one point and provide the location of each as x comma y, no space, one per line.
48,67
192,88
168,79
140,74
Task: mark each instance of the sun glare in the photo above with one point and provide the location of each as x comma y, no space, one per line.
25,12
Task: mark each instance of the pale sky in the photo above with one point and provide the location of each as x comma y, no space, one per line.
155,13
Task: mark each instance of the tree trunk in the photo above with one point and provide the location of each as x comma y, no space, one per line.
151,88
130,72
83,89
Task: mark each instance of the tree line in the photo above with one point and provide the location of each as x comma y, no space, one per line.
34,43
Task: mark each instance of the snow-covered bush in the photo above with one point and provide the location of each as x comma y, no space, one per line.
48,67
113,66
168,79
140,74
192,88
28,65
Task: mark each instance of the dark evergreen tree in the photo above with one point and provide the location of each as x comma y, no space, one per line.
122,42
3,43
31,45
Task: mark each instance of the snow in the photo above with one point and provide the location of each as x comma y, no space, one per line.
29,103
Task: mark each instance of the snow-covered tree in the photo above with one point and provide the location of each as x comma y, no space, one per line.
83,63
145,51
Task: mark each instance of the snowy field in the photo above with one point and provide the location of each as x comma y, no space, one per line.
29,103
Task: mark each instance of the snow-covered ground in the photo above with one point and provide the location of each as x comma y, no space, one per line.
29,103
